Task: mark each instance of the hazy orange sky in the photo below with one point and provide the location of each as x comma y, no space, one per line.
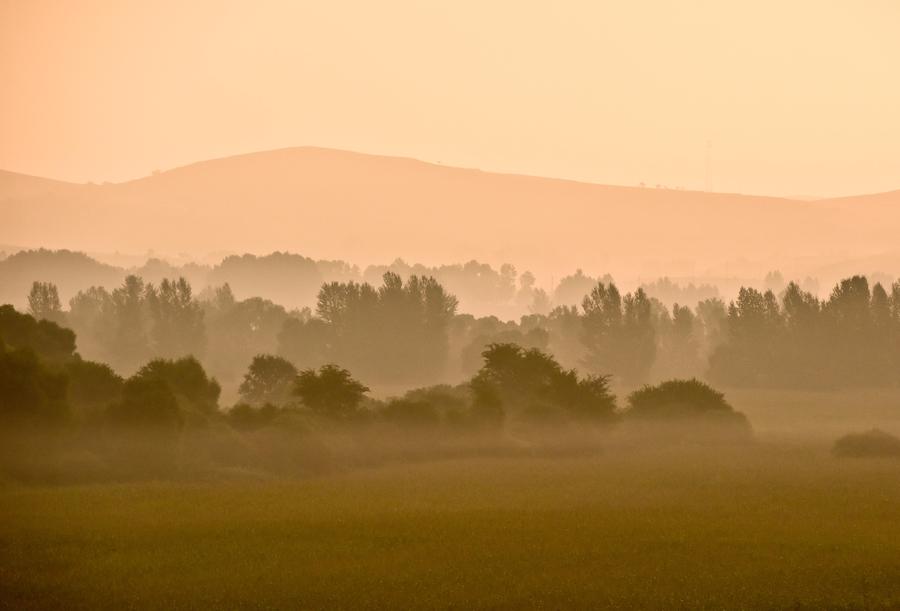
796,97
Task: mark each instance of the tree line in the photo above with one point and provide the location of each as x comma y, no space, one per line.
45,382
294,281
797,340
410,332
65,418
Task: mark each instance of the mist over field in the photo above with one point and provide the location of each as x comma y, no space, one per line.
409,305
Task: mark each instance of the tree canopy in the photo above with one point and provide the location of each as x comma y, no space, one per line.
331,391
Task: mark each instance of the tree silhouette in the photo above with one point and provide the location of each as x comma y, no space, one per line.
393,333
682,400
129,341
187,381
50,342
177,320
30,392
92,386
531,383
43,302
270,379
618,333
331,391
148,404
237,331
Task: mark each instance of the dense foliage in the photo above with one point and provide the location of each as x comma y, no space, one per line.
331,391
397,332
30,392
533,384
850,339
408,333
676,399
871,444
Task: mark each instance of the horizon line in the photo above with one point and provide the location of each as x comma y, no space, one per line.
438,164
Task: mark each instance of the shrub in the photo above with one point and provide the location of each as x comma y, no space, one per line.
874,443
269,379
187,380
50,342
532,384
92,386
145,429
681,400
246,417
443,396
331,391
147,404
411,413
29,391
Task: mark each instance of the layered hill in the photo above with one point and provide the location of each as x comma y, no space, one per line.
333,204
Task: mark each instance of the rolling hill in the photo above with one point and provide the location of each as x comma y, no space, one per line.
365,208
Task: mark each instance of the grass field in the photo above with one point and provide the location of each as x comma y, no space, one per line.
765,526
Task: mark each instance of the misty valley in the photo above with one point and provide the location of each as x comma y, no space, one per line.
343,438
550,305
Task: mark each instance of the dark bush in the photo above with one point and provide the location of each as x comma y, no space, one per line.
50,342
29,391
681,400
874,443
147,404
269,379
92,386
411,413
443,396
187,380
331,392
246,417
532,384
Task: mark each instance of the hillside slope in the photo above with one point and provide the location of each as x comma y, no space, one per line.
366,208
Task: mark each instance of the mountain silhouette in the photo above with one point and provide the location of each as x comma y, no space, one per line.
365,208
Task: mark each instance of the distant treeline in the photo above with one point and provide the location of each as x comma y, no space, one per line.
129,382
65,418
797,340
406,332
294,281
46,383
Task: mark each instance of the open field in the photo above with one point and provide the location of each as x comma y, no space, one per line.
821,416
765,526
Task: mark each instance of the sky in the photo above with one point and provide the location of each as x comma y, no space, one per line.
781,97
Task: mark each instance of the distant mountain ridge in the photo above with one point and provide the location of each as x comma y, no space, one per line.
362,208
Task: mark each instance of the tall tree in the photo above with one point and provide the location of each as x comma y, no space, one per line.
129,345
398,332
618,333
43,302
91,313
177,320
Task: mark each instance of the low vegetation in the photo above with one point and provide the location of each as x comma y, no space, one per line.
683,401
311,490
403,326
784,528
873,444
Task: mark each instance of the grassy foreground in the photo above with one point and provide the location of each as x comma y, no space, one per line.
762,527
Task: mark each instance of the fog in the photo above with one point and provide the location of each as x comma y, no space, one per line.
279,393
396,368
411,305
